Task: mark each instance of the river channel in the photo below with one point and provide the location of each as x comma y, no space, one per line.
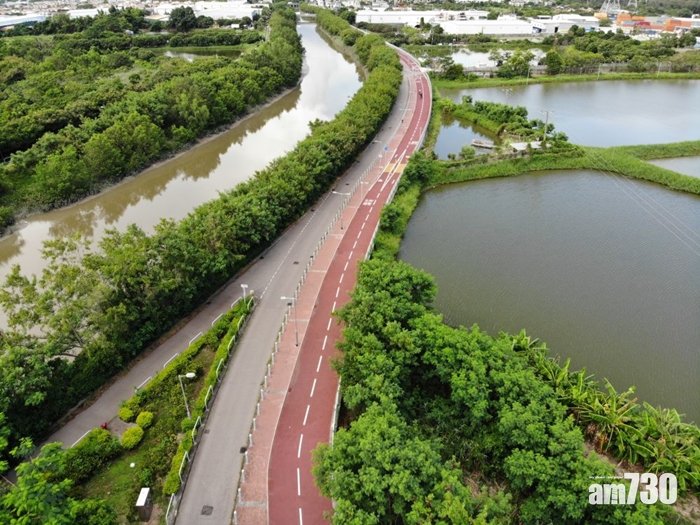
610,113
604,269
173,188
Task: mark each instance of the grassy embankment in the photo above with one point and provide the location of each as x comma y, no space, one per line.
118,483
599,159
495,82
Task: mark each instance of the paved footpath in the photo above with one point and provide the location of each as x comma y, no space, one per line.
298,410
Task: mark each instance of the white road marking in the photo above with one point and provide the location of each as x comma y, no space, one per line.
313,388
145,381
329,325
301,440
346,266
170,359
298,482
333,309
195,337
80,438
217,318
306,415
318,366
325,340
337,292
350,256
342,275
301,521
354,245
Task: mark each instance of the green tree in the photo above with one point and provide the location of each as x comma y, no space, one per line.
554,62
41,495
516,65
182,19
378,471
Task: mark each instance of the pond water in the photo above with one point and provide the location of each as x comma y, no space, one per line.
479,59
610,113
454,135
686,165
173,188
604,269
192,53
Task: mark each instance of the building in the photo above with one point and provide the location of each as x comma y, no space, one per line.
415,18
562,23
502,26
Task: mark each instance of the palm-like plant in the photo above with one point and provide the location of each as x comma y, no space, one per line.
674,445
612,414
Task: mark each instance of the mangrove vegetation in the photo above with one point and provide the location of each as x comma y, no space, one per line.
82,111
92,311
451,425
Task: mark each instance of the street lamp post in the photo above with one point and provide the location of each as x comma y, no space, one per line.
293,304
188,375
341,213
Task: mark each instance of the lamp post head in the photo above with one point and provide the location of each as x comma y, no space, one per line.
190,375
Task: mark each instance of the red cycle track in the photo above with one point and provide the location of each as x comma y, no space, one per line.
308,410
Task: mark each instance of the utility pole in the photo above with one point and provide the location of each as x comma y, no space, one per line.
546,123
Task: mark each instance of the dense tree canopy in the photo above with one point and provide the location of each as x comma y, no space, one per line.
90,313
489,441
79,112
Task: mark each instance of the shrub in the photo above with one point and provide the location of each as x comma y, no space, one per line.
93,452
132,436
126,414
145,419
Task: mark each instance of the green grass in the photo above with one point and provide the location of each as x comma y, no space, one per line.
119,484
599,159
494,82
434,126
661,151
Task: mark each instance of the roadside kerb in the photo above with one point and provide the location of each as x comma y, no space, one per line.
200,423
255,505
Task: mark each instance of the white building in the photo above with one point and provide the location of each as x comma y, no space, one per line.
562,23
213,9
414,18
505,26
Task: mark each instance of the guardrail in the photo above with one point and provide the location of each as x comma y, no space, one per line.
383,162
186,465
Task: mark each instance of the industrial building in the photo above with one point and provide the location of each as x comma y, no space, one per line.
415,18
